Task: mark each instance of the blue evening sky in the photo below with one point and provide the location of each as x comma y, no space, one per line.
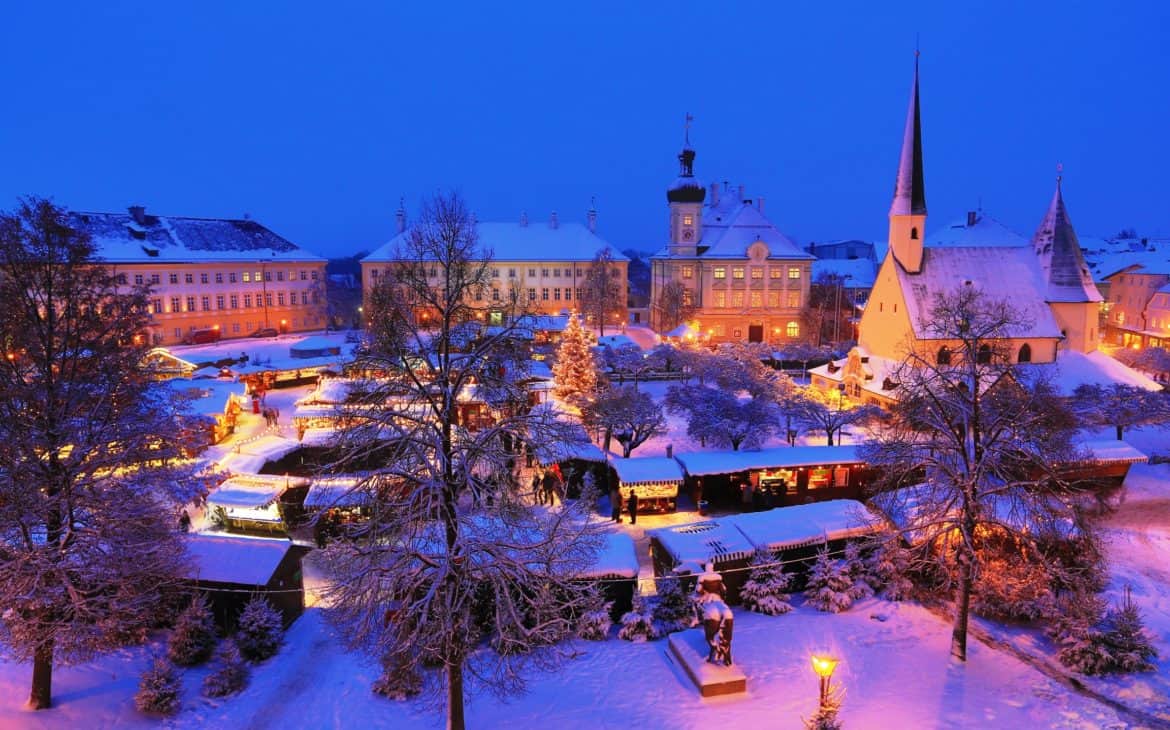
315,118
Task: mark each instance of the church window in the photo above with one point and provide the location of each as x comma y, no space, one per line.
984,354
737,272
913,234
720,272
793,329
1025,353
944,355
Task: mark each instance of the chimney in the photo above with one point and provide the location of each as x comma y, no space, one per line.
400,216
741,193
760,205
552,220
593,220
714,194
972,217
523,219
138,213
670,451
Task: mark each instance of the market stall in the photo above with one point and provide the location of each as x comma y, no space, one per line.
688,548
252,502
655,479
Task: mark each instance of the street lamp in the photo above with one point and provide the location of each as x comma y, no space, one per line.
824,666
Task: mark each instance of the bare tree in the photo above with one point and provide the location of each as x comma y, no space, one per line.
972,452
602,294
830,411
625,413
1120,406
88,452
453,569
673,306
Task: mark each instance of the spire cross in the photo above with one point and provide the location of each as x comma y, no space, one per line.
687,129
1059,172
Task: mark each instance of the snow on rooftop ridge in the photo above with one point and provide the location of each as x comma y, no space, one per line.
704,463
733,226
807,524
235,559
513,241
984,230
646,469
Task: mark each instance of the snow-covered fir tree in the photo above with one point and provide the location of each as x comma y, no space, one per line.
766,589
827,714
1124,635
890,563
673,607
855,567
575,371
193,639
829,585
594,624
160,689
231,676
1075,627
638,622
260,630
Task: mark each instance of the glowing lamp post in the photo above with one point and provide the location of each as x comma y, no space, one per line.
824,666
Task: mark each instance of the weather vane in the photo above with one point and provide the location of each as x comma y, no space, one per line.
687,129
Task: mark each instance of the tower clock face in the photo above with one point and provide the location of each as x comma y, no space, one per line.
688,235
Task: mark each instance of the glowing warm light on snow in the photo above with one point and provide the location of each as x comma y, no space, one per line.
823,665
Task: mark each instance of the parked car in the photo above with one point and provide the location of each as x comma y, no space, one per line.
265,332
202,337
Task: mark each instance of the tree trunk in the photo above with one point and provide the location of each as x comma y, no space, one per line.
41,696
1119,432
455,719
962,609
830,432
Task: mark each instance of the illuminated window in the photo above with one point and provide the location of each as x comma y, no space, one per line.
793,329
773,299
720,272
775,272
737,299
688,220
757,299
793,299
720,299
793,272
757,272
737,272
688,272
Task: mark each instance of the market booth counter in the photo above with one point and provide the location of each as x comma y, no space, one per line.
655,479
686,549
776,477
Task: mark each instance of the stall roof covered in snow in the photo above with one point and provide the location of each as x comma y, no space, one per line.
807,524
702,463
265,354
536,241
700,542
1112,451
209,396
249,561
123,238
616,558
641,470
253,490
330,492
249,458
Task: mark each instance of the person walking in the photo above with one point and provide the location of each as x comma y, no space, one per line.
615,505
536,493
184,521
632,506
550,485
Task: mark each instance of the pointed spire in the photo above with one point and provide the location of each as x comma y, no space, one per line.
910,188
1056,243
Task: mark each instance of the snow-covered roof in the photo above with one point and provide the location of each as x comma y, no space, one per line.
1073,369
332,391
543,322
1003,274
319,437
237,559
265,353
857,273
617,557
807,524
641,470
1112,451
731,226
209,396
702,463
317,343
328,492
1156,263
615,341
119,238
701,542
515,242
253,490
985,231
250,457
1055,242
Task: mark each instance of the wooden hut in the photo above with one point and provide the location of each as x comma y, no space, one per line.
232,568
251,502
798,532
655,479
615,569
687,548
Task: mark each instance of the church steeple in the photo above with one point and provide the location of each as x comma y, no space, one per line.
685,197
908,210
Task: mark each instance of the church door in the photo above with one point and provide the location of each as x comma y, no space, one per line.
756,333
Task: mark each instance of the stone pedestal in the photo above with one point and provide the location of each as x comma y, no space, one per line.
690,649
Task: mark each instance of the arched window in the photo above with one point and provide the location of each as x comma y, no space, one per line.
944,355
984,355
1025,353
914,234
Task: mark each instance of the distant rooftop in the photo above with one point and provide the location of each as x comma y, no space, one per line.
521,241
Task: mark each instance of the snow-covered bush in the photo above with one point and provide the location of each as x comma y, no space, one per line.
397,682
638,622
1012,589
1124,636
230,676
159,690
260,630
889,569
674,607
829,585
766,589
826,717
856,569
193,638
594,624
1095,642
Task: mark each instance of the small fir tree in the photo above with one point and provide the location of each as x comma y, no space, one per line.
638,622
766,589
574,370
854,566
159,690
397,682
231,676
826,715
260,630
674,609
193,639
595,623
1124,635
889,569
828,585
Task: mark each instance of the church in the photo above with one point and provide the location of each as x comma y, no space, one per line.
1045,279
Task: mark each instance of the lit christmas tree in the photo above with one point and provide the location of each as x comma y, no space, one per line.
575,372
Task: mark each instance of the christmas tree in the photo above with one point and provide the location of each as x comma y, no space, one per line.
260,630
638,622
159,690
1126,639
574,370
766,589
193,639
674,609
829,585
230,677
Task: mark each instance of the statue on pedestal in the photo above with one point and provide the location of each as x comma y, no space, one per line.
716,615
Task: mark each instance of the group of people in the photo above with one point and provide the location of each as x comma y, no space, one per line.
271,416
615,503
546,486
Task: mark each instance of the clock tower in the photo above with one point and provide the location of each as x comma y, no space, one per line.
685,196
